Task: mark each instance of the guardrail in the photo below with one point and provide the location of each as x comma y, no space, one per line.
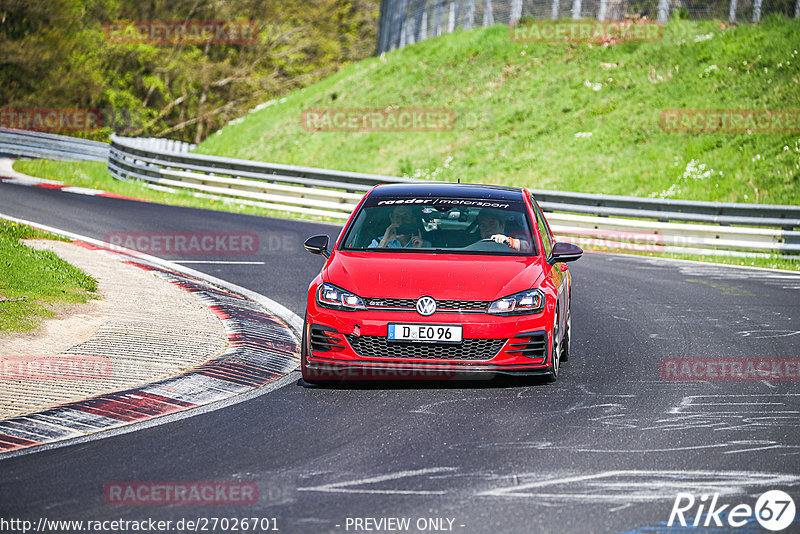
676,238
296,189
37,144
726,213
597,221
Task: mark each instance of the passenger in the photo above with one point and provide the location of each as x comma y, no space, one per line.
403,232
492,226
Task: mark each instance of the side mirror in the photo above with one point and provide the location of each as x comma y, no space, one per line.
318,244
565,252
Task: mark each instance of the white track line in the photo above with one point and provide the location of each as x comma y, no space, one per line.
294,322
220,262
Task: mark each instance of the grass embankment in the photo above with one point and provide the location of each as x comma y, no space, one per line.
34,283
573,117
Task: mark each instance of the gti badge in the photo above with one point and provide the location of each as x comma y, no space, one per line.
426,306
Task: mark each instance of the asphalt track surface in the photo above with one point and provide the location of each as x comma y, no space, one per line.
605,449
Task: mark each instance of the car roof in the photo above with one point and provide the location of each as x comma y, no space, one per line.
444,189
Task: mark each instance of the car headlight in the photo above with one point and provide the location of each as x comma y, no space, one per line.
333,297
531,301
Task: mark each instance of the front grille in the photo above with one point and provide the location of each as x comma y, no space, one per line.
391,303
482,305
441,305
468,349
530,344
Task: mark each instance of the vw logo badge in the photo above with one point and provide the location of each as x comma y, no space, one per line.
426,306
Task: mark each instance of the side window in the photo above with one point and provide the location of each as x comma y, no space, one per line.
544,232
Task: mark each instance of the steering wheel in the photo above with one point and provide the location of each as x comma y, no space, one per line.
487,245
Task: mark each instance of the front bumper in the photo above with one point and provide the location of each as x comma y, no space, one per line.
353,345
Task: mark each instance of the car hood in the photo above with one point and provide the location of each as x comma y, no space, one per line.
441,276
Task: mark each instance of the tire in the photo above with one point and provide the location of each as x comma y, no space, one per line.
304,352
565,342
555,351
308,376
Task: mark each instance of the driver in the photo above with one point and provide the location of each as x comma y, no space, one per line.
492,226
403,231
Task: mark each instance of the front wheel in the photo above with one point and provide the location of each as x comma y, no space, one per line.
304,351
309,376
565,343
555,351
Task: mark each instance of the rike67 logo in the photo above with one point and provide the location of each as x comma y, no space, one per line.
774,510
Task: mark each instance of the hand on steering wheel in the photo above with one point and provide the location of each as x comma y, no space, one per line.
500,238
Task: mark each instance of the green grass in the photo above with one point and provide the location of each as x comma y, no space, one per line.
519,107
33,283
786,263
94,175
774,262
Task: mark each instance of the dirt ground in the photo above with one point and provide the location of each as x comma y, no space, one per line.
141,329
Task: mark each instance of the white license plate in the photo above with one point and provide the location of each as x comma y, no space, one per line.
437,333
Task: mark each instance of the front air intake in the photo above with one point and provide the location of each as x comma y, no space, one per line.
322,340
532,345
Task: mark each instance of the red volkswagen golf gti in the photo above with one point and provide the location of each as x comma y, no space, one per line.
439,280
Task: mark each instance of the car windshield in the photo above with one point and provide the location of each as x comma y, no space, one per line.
454,225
